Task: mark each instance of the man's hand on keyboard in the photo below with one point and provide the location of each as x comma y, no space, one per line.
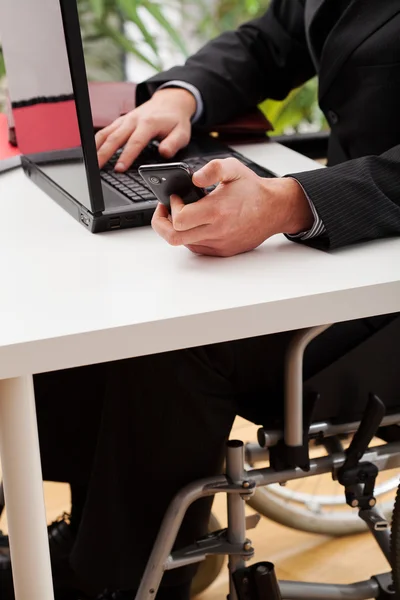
166,116
240,214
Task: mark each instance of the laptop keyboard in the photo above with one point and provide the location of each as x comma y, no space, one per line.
129,184
132,185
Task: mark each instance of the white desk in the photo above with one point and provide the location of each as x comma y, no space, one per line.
70,298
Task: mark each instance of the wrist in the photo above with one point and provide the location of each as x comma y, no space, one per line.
180,97
297,215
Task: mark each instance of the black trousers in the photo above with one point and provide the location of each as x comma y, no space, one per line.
136,431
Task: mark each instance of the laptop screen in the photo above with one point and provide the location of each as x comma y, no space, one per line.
40,42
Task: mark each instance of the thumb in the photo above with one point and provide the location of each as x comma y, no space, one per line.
218,171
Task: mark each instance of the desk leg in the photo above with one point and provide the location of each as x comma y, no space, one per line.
23,489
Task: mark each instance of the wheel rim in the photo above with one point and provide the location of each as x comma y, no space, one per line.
317,504
329,500
334,524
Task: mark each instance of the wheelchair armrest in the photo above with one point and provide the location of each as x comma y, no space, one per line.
293,426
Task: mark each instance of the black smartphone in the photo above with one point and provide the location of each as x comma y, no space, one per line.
171,178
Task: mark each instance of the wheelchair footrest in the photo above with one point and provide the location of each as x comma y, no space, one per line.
257,582
213,543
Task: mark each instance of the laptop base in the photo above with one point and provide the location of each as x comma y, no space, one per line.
130,214
95,223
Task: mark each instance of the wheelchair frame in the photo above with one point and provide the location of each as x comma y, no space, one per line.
259,581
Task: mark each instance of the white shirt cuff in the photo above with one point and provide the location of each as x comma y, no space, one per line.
318,227
193,90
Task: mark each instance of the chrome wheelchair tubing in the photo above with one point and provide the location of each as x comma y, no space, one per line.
293,429
271,437
160,559
236,532
385,457
379,528
296,590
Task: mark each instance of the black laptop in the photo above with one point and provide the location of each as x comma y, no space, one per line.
54,126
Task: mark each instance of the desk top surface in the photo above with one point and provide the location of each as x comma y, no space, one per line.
70,298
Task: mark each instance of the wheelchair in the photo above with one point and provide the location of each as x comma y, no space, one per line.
355,398
351,398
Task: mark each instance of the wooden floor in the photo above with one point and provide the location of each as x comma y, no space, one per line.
297,555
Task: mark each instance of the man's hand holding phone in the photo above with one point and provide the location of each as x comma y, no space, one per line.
240,214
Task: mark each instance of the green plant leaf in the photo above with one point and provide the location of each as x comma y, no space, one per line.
127,45
252,6
98,8
128,9
301,105
156,12
2,64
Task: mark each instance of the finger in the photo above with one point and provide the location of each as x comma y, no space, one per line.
166,229
189,216
102,135
203,235
177,206
216,171
161,215
163,226
177,139
205,250
142,136
161,212
115,140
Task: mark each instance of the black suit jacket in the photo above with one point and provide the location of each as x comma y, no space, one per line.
358,64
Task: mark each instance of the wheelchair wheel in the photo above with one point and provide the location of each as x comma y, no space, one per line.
395,545
210,568
317,504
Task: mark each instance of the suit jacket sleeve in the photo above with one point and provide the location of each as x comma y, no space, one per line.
357,200
264,58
